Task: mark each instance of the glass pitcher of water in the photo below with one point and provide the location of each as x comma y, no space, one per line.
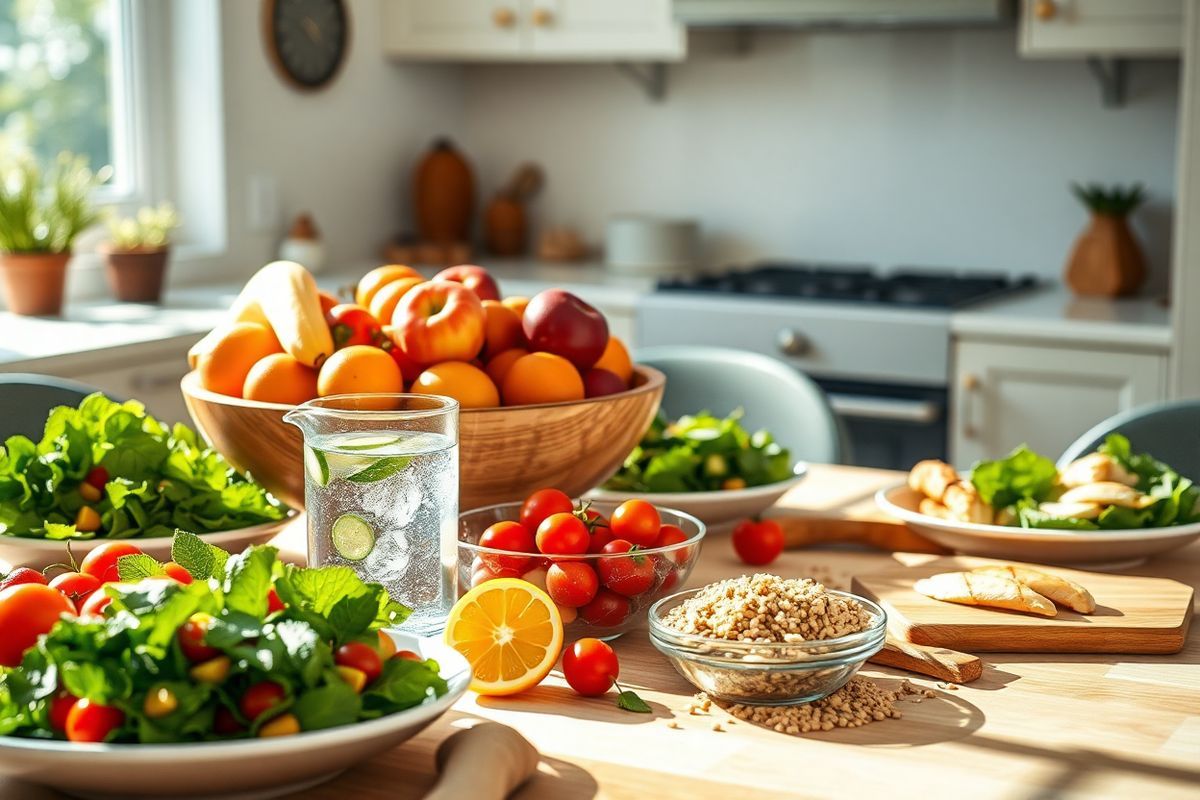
381,494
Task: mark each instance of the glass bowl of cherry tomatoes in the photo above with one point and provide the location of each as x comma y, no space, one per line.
603,564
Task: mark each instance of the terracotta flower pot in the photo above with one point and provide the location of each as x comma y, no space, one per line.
33,282
136,276
1106,260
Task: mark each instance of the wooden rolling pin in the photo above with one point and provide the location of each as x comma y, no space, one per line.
484,762
937,662
803,531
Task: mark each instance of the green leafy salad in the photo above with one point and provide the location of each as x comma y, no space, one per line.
1111,489
699,453
110,470
250,647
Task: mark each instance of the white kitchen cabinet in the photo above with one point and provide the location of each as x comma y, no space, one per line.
1007,394
1074,28
532,30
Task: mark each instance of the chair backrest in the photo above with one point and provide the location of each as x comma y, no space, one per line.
1168,431
773,395
26,400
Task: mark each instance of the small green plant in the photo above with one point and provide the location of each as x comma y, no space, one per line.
149,230
1112,201
43,213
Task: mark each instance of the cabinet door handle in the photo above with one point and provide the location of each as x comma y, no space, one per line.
792,343
504,17
1045,10
970,385
543,17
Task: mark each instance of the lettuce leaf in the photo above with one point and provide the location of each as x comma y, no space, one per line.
1022,475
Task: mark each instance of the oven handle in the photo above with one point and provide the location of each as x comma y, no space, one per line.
885,408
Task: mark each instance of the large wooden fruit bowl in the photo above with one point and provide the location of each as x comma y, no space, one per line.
504,453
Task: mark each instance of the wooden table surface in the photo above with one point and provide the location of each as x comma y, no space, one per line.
1032,726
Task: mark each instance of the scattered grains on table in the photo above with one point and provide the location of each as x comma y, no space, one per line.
766,608
673,725
716,726
859,702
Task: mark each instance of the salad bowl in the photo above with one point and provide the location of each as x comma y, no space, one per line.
1111,548
242,769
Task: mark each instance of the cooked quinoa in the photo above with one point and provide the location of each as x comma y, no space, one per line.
765,608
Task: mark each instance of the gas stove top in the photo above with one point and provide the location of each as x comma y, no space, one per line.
913,288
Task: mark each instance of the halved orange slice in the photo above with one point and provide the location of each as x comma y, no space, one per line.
511,633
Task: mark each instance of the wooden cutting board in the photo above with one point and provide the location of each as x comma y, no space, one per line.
1133,614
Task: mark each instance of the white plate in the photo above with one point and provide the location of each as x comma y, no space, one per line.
16,551
1090,548
256,768
713,508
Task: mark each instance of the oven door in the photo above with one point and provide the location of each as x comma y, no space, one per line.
889,426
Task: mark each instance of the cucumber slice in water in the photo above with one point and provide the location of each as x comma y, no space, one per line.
353,538
367,442
317,466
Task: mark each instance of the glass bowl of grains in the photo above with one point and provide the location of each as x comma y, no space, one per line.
765,640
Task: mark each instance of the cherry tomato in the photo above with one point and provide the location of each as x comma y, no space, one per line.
362,657
508,535
669,535
407,655
225,723
177,573
191,639
352,324
95,604
92,722
408,368
637,522
542,504
600,533
606,610
26,612
102,562
75,585
590,667
758,542
60,707
571,583
259,698
481,572
562,534
628,575
273,602
22,575
97,476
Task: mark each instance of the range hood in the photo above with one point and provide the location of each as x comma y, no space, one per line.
841,13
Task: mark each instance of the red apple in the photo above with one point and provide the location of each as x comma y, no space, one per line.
477,279
439,321
558,322
409,368
599,382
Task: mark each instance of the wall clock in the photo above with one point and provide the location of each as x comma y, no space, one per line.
306,39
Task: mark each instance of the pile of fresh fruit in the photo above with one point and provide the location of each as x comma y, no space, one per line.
288,342
207,646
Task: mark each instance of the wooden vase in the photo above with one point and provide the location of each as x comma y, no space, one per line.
444,195
136,276
1106,260
33,283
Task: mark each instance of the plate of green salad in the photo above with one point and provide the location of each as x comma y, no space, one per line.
709,466
107,470
1114,506
211,675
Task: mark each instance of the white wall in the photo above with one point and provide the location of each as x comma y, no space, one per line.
900,147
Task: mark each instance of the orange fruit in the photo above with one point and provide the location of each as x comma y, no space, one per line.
615,359
541,378
280,378
517,304
379,277
223,369
509,631
501,327
328,301
467,384
359,369
498,367
383,304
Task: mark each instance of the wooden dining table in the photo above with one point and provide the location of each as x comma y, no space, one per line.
1033,726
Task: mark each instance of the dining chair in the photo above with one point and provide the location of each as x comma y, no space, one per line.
773,395
26,400
1168,431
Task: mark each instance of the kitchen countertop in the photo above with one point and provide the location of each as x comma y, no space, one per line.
1032,726
1052,313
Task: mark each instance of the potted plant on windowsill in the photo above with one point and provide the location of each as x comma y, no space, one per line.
1107,260
40,216
136,255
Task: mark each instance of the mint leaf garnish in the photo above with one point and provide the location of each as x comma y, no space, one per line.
628,700
201,559
133,568
380,470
